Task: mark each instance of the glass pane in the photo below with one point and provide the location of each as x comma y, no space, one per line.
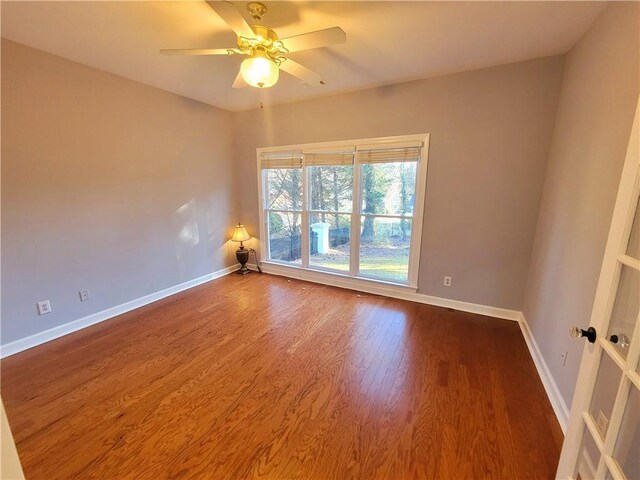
588,458
604,393
625,310
329,240
389,188
633,248
331,188
285,189
284,237
384,248
627,450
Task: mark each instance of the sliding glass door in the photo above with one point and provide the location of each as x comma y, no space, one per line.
345,209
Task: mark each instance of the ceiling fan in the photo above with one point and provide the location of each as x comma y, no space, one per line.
266,53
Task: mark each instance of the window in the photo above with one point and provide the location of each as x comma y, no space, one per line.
284,206
346,209
330,180
388,197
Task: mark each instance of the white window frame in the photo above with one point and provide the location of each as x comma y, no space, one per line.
351,278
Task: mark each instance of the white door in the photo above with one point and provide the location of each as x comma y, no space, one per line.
603,436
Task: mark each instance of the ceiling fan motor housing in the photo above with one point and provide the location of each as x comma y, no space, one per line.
265,43
264,32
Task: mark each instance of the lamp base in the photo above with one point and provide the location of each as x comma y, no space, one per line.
242,254
243,270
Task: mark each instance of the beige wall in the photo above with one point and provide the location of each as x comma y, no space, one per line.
490,135
107,185
595,113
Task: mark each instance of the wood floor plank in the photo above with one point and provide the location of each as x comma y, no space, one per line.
264,377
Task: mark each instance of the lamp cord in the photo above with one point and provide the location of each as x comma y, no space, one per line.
255,254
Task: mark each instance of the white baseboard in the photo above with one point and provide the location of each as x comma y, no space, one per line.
75,325
550,386
469,307
393,291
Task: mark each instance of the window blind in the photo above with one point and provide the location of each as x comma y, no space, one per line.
290,159
387,153
328,158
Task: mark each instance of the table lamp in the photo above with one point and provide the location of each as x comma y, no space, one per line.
240,234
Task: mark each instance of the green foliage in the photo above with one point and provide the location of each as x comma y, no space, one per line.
285,188
276,225
407,178
331,188
375,181
344,221
386,189
406,174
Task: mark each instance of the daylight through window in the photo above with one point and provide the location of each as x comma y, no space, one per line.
354,210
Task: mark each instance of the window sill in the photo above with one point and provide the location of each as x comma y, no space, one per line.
336,279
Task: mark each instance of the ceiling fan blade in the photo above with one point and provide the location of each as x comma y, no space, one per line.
200,51
239,82
230,14
303,73
320,38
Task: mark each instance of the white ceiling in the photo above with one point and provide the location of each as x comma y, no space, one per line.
387,42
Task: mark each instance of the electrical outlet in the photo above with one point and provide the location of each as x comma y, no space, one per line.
44,307
84,295
447,281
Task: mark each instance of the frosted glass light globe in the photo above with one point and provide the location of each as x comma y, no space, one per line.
260,72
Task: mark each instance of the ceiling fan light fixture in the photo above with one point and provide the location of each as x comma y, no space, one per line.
260,71
266,53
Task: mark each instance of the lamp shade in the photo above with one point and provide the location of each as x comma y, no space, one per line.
240,234
259,71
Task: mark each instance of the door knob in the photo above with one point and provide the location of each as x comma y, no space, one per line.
622,340
589,333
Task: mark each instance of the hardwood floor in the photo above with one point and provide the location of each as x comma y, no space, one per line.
261,377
